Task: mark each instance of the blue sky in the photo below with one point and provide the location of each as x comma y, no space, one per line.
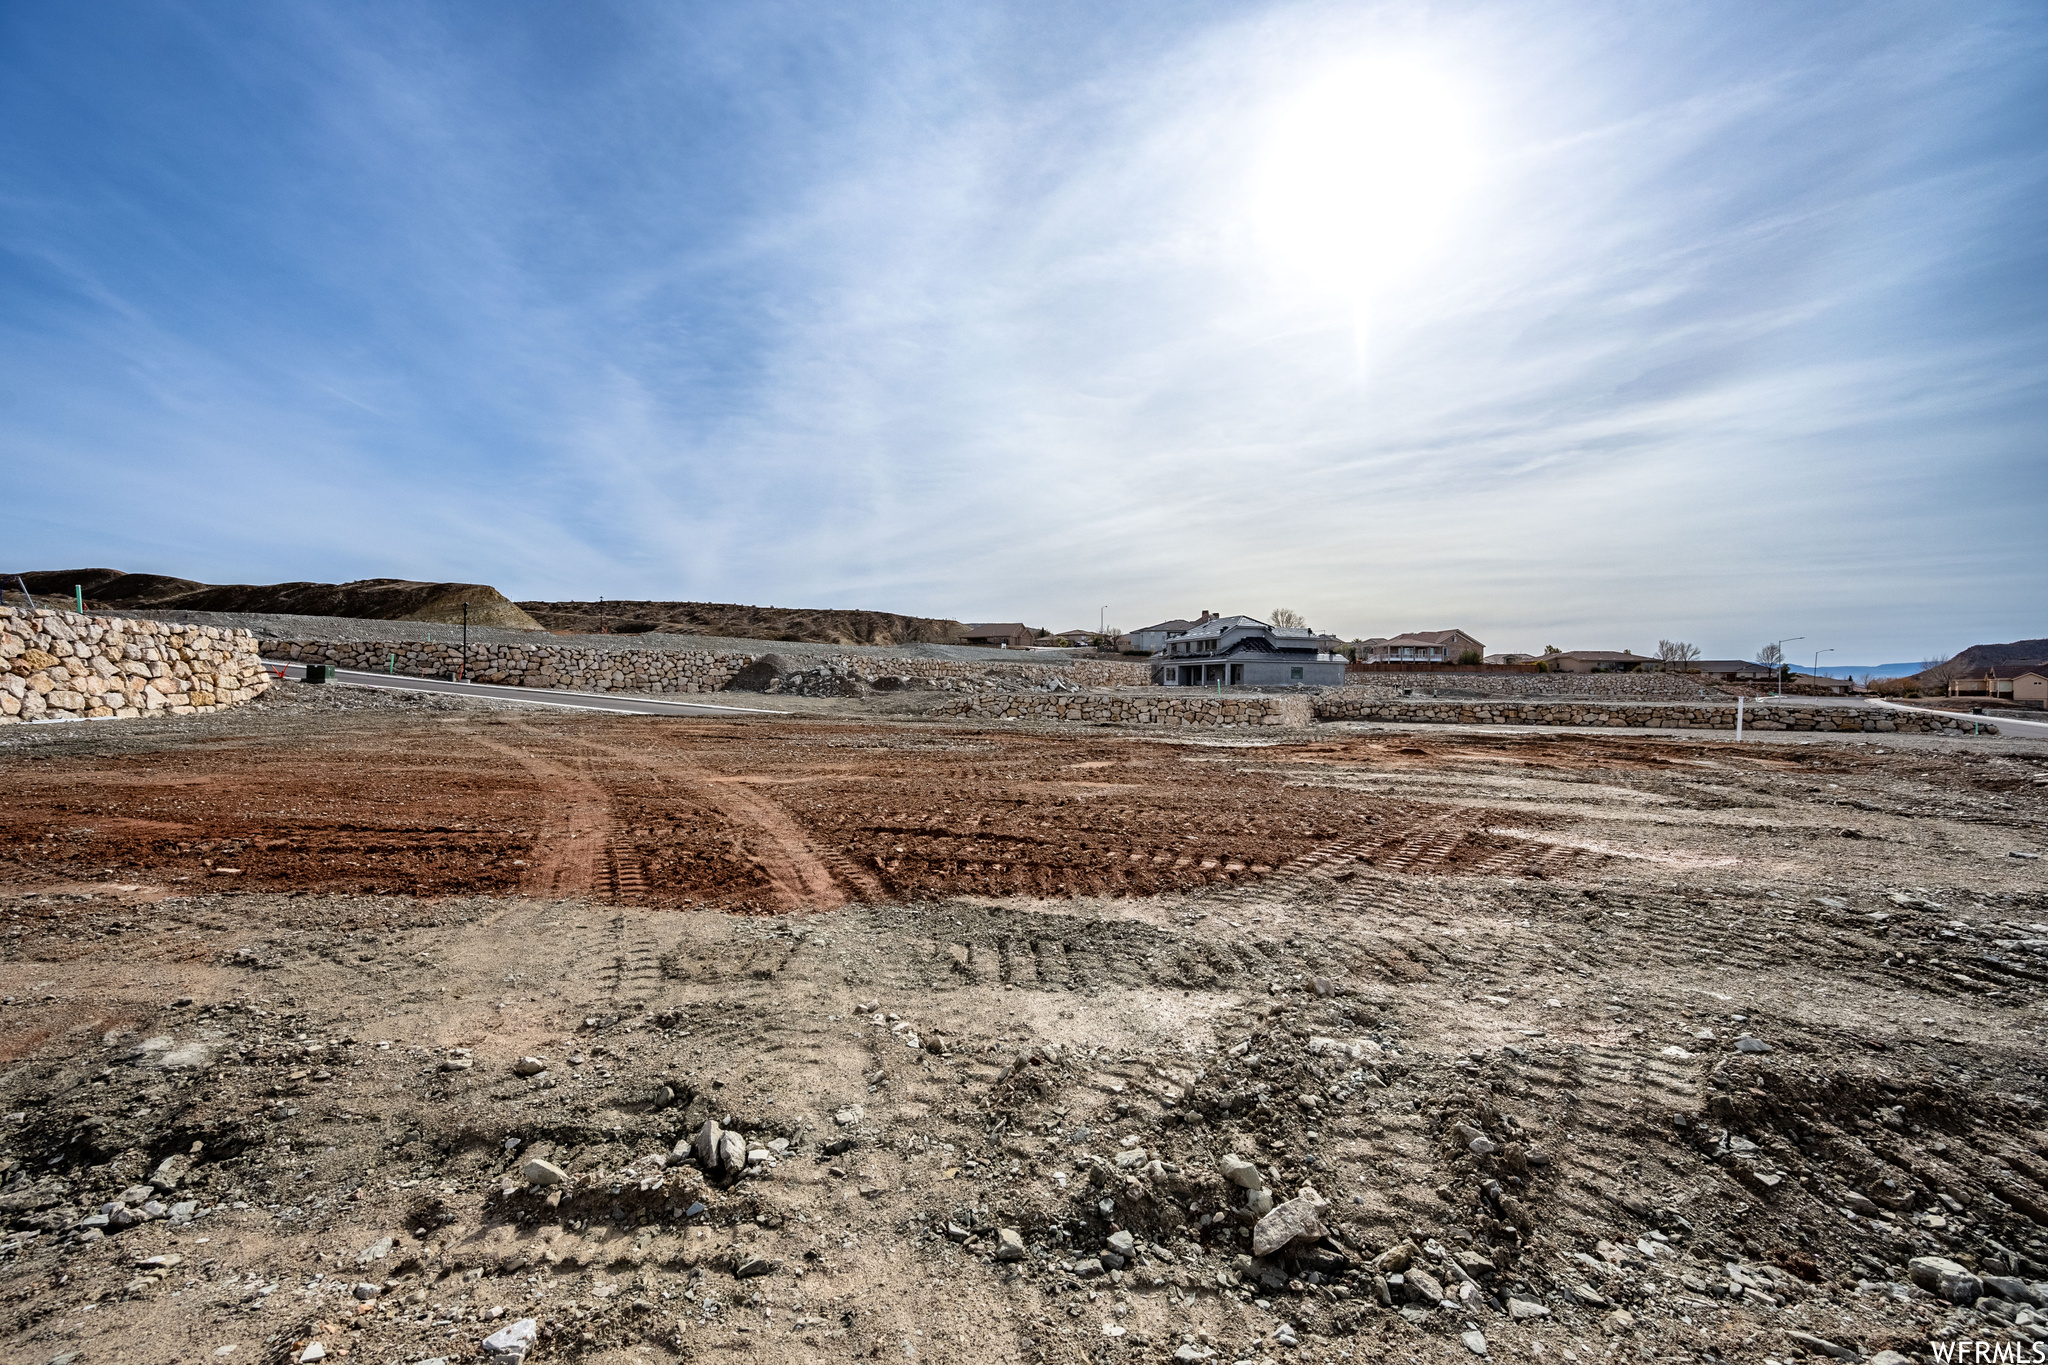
1574,324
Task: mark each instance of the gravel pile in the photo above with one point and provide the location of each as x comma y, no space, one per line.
270,626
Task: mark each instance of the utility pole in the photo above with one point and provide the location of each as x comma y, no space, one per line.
1816,660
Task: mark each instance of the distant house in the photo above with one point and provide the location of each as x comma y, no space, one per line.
2025,683
1242,651
1509,658
1725,670
1151,639
1422,646
1000,634
1597,661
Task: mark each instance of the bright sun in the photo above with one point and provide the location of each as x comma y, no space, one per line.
1363,173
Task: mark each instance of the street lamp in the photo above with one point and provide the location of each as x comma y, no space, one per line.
1816,660
1781,659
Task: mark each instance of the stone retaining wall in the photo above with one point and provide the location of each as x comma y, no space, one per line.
680,670
1153,706
1593,686
1667,716
59,665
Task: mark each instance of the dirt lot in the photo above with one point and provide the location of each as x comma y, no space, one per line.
1596,1047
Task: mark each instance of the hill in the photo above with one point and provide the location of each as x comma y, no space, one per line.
796,624
370,599
1983,656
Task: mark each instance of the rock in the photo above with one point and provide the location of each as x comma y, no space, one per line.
1259,1201
705,1147
752,1266
1293,1221
1522,1310
1240,1172
1890,1358
1125,1245
1009,1245
314,1351
1423,1286
1130,1158
1284,1335
1749,1044
539,1172
510,1344
1088,1269
184,1210
1190,1354
1809,1342
1483,1146
757,1156
732,1152
366,1291
457,1064
2017,1290
1945,1279
1475,1342
529,1066
1621,1320
849,1116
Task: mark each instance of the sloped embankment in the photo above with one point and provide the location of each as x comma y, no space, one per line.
373,599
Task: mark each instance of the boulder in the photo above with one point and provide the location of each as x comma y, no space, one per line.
1288,1223
1945,1279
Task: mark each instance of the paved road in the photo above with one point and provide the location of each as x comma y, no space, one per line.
530,696
2007,725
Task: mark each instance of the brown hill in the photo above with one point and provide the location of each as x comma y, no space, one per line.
1983,656
805,625
369,599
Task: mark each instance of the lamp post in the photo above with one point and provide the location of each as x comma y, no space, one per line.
1781,659
462,669
1816,660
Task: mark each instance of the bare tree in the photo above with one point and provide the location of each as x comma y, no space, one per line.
1287,616
1676,654
1770,656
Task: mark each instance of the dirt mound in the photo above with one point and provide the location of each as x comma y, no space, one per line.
799,625
372,599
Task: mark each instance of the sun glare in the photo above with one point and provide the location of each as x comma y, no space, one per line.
1363,173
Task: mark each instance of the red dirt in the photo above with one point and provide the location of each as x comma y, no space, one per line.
737,814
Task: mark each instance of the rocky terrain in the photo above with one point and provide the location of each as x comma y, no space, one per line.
731,621
411,1029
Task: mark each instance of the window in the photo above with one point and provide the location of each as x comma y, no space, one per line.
1294,675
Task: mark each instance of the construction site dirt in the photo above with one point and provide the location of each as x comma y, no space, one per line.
351,1025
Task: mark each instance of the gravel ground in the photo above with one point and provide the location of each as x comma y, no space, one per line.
1559,1046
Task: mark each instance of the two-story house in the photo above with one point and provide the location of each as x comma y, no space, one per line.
1243,651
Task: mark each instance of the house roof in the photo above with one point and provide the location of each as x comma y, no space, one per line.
2039,670
1163,625
1725,666
1603,656
997,628
1418,637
